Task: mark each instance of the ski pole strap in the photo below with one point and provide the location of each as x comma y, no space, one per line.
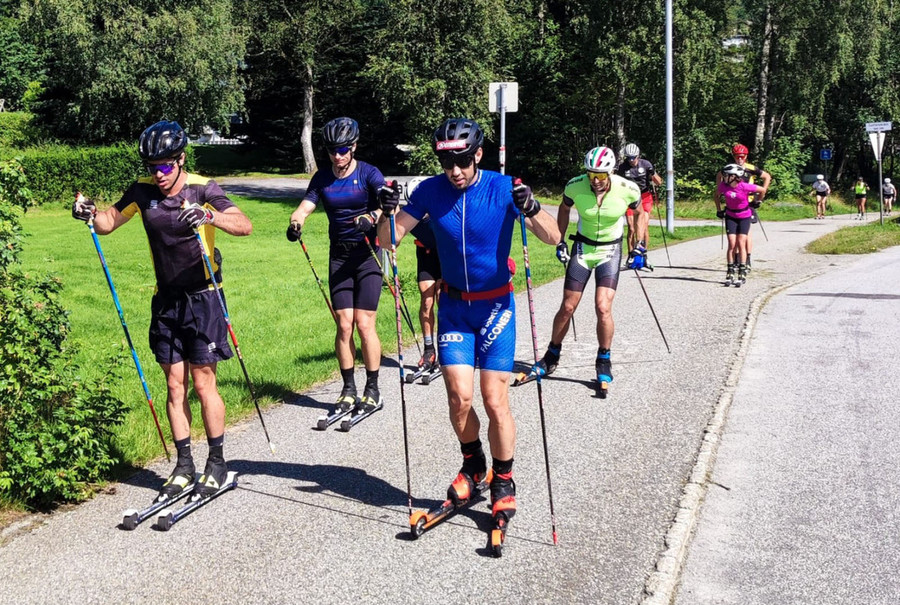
578,237
457,294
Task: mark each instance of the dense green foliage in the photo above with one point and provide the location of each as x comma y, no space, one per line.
786,79
55,428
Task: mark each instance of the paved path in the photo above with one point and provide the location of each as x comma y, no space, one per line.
802,507
325,521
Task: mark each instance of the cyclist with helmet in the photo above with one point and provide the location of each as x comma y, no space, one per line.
751,173
821,190
348,192
473,212
889,192
860,190
637,169
188,334
735,192
601,199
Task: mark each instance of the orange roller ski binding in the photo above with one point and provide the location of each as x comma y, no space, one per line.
503,508
464,490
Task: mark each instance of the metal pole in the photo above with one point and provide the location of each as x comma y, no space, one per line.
880,189
502,128
670,138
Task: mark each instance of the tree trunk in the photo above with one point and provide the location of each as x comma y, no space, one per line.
762,93
309,159
620,114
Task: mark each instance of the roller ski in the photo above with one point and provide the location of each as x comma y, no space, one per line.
345,405
741,276
464,491
539,370
179,485
503,507
637,258
427,370
729,275
214,482
603,367
370,403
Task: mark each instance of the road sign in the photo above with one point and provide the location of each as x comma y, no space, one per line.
510,96
877,140
825,154
878,126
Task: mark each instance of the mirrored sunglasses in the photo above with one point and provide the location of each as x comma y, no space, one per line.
165,168
600,176
462,161
340,150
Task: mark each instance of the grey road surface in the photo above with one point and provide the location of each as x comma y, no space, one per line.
325,519
802,505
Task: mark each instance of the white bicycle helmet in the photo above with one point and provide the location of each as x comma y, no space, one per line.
600,159
632,151
820,177
887,181
411,185
734,170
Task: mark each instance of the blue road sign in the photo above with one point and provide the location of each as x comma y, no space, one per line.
824,154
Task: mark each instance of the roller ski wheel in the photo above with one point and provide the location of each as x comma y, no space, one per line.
431,376
169,516
538,370
370,403
421,520
503,507
345,405
426,365
498,536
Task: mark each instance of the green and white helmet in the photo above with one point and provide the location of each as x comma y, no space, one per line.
600,159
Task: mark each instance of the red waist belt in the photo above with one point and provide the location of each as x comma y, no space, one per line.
458,294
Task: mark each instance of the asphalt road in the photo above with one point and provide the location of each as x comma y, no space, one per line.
325,519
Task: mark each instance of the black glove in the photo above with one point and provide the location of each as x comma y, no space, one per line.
83,209
720,213
755,204
196,215
364,222
562,252
633,205
293,231
524,199
389,196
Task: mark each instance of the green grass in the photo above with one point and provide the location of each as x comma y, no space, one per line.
859,240
783,210
240,160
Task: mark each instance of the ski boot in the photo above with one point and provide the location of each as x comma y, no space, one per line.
503,508
540,369
747,264
637,258
742,275
429,360
603,367
181,478
729,276
212,479
370,400
464,487
346,401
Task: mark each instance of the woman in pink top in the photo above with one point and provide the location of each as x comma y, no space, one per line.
735,193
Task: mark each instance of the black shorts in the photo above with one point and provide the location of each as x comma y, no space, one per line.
188,327
737,226
606,274
428,267
860,196
354,279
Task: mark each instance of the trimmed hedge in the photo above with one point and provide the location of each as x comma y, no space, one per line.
55,172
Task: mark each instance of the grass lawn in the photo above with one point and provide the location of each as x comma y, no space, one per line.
859,240
783,210
283,327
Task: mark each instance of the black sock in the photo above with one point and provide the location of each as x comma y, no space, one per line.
372,379
602,352
349,381
502,467
553,351
183,447
216,447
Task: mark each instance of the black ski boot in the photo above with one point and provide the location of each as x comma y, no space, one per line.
603,367
472,472
742,275
729,276
180,479
347,400
370,400
503,508
544,367
213,477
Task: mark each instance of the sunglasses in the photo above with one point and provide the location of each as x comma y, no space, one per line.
461,161
740,156
340,150
600,176
165,168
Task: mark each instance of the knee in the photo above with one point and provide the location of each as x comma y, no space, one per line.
204,381
345,329
604,310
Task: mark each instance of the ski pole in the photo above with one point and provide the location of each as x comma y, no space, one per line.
572,319
406,314
400,357
723,233
661,229
318,281
534,344
218,288
137,364
640,281
759,220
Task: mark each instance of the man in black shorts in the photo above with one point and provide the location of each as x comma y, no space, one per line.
188,334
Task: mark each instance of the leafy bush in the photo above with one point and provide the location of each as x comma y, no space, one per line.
55,172
15,129
55,430
785,165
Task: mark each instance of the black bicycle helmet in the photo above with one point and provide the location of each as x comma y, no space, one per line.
161,141
340,132
458,136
